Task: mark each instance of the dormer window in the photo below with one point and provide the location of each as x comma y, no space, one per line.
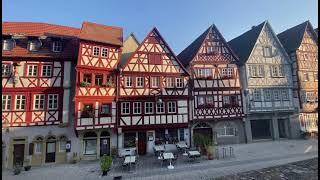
34,45
57,46
7,44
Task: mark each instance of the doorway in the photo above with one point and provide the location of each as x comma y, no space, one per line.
261,129
18,154
51,149
282,128
105,143
142,145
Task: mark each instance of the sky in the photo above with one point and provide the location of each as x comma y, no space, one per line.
179,21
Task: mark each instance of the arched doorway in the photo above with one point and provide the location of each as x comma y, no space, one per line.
104,143
90,143
200,131
51,149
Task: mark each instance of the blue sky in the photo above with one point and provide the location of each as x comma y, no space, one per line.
179,21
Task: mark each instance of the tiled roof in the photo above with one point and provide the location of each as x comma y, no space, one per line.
244,44
101,33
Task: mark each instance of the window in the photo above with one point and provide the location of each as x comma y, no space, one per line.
38,103
277,71
267,94
210,50
169,82
285,94
34,45
267,51
90,146
62,146
87,78
32,70
8,44
209,100
179,82
201,101
227,72
6,70
305,56
57,46
172,136
136,107
38,148
204,72
6,102
155,82
160,137
128,81
96,51
105,109
148,107
315,76
160,107
129,139
46,70
53,101
226,130
125,108
87,111
155,59
256,70
104,52
305,76
20,102
171,107
181,134
256,95
276,95
226,100
310,96
139,81
98,79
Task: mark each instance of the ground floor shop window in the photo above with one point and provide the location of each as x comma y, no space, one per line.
90,143
129,140
160,136
171,137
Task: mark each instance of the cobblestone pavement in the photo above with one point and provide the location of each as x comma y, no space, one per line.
302,170
247,157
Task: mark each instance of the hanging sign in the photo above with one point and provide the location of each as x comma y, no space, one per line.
105,141
68,146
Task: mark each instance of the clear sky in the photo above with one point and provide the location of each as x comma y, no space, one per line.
179,21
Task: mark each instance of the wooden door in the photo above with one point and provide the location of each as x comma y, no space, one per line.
104,146
142,143
51,152
18,154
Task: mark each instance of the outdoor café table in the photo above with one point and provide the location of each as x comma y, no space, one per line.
170,156
159,149
129,160
184,146
126,152
194,154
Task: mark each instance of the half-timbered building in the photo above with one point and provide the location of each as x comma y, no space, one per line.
266,77
36,91
301,43
216,91
153,95
95,96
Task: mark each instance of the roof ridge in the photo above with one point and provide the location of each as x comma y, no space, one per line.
102,25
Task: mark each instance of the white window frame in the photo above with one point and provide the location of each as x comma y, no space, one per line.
56,46
256,95
285,94
172,105
267,94
148,106
229,72
62,150
155,81
128,81
36,146
104,52
140,81
6,102
34,70
96,51
38,100
269,53
20,100
46,70
276,92
179,82
6,70
136,106
199,99
169,82
224,130
160,106
125,108
53,101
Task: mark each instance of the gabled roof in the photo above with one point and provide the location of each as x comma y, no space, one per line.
292,38
244,44
189,52
129,46
101,33
37,29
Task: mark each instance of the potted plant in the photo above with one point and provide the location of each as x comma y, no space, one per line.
84,84
27,165
105,164
17,169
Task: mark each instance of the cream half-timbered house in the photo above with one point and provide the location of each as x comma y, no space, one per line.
266,77
95,96
37,63
301,43
216,90
153,95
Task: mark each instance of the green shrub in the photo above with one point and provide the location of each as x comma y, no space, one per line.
105,162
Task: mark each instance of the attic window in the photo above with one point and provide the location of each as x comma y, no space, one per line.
57,46
34,45
267,51
7,44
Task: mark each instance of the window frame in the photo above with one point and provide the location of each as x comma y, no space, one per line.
88,115
33,69
100,81
101,113
84,78
163,108
284,94
94,50
40,98
7,70
104,54
135,107
53,100
6,102
305,76
42,72
179,83
174,107
153,78
36,146
140,81
269,93
274,95
170,81
270,51
62,150
257,92
57,46
148,108
123,107
128,79
21,99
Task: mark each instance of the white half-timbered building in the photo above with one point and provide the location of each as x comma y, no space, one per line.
266,77
153,95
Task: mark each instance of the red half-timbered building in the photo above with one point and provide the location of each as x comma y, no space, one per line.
95,96
152,95
217,102
36,91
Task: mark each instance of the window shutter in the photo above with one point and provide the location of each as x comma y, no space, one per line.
31,145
